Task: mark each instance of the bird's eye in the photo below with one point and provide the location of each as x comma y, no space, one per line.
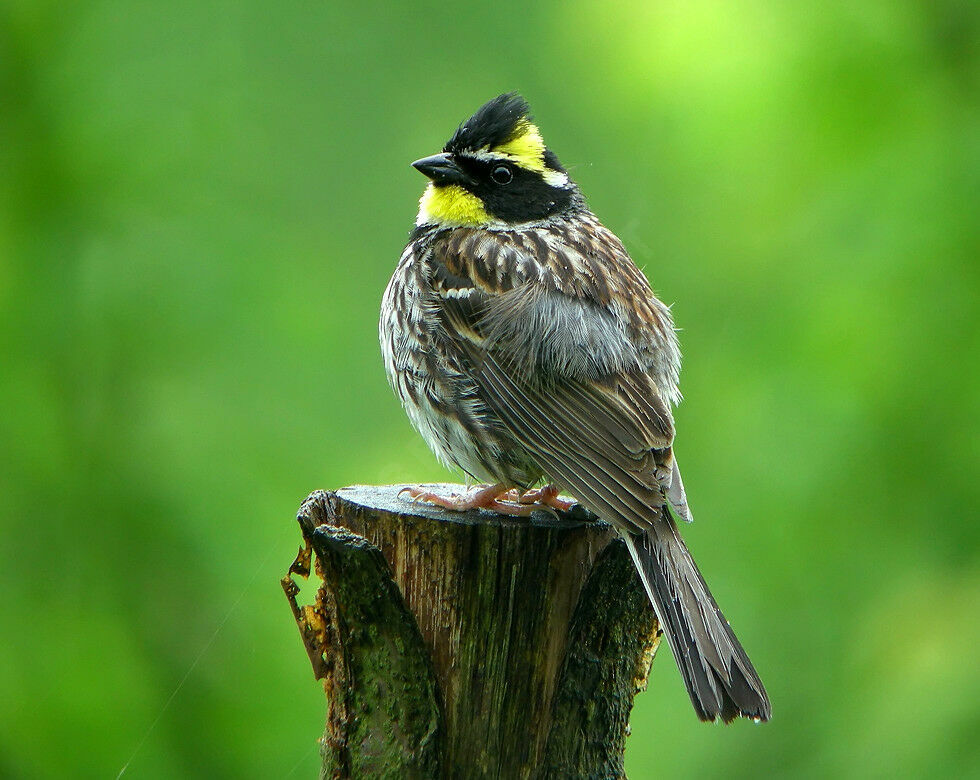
502,174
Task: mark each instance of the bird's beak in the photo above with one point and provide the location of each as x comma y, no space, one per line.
442,169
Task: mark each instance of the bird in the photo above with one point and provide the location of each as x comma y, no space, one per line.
530,352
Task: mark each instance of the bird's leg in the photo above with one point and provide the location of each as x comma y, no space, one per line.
548,496
492,497
472,499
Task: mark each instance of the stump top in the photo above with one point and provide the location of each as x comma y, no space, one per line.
385,498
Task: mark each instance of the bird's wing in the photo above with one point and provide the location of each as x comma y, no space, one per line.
582,439
567,376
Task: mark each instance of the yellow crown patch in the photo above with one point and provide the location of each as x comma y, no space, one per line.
526,148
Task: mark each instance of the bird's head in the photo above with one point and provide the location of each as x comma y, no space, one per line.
494,170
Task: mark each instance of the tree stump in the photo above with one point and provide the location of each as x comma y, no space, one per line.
469,644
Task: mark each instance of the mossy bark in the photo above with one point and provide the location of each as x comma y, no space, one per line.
470,644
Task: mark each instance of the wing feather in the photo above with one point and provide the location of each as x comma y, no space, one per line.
602,478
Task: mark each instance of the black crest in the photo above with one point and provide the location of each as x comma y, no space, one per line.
495,123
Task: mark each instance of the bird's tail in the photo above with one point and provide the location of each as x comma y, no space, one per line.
719,676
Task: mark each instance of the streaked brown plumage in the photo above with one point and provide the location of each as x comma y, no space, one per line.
525,345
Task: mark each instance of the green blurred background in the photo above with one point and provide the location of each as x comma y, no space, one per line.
200,206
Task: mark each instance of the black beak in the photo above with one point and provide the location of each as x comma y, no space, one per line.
442,169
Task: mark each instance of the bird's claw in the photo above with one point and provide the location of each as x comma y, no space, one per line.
512,502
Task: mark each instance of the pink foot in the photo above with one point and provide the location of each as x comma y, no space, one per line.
496,498
485,497
548,496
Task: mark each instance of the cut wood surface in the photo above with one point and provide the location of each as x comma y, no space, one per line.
469,644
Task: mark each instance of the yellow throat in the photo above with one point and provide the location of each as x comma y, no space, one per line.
451,205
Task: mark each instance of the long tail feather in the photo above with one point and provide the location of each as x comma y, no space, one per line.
719,676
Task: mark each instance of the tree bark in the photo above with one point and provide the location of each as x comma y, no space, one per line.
469,644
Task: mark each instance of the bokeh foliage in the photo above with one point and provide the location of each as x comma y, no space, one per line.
200,205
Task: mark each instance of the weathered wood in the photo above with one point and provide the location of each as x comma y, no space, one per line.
470,644
612,640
